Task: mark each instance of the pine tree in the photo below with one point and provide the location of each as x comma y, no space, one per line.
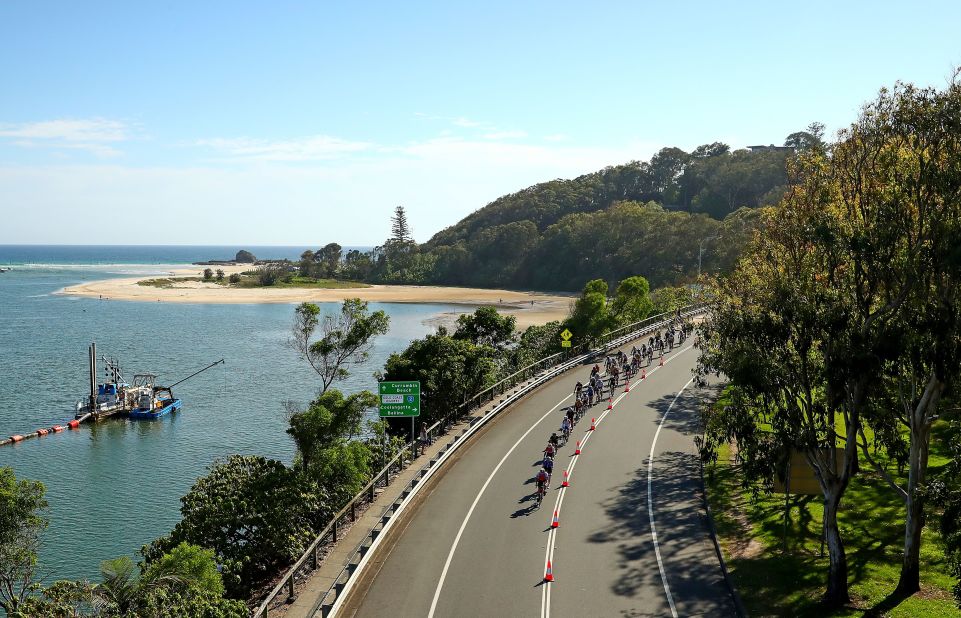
399,226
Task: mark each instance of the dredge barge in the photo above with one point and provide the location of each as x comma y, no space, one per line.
143,399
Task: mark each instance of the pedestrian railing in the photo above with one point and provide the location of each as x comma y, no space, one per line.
531,376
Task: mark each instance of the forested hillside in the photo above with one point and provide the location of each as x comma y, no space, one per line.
655,218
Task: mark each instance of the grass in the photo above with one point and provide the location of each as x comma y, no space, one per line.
166,282
778,578
252,282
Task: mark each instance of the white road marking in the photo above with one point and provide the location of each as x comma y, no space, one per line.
470,511
650,503
552,534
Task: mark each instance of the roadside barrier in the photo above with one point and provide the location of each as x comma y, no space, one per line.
529,378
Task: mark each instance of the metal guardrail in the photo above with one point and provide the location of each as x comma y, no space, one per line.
537,372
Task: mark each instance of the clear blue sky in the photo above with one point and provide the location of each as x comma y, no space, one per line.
305,123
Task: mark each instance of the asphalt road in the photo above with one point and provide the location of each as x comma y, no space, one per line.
476,545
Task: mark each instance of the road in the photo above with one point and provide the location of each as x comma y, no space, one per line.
476,544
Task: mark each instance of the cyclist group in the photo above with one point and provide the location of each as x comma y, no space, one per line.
585,396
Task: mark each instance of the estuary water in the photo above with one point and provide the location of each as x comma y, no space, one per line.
115,486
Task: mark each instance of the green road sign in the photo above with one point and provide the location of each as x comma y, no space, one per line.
399,399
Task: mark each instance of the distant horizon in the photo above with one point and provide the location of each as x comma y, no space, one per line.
199,121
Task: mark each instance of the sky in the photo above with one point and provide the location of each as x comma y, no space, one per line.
303,123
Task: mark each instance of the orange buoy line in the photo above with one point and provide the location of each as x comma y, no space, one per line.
43,431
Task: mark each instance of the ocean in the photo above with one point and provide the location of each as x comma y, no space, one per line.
115,486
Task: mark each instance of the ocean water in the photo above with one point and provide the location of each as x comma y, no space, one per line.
115,486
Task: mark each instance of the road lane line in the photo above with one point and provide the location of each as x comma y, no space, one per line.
470,511
552,534
650,503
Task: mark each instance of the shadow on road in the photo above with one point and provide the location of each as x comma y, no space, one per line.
686,549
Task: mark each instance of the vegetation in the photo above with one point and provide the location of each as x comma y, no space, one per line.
778,570
22,520
346,338
208,274
255,514
234,278
851,293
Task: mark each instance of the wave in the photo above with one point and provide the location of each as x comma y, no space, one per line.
107,269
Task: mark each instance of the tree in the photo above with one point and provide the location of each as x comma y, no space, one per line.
399,228
220,274
306,264
208,274
346,337
632,303
811,139
779,300
590,317
328,259
22,520
486,327
256,515
899,172
449,370
272,272
245,257
330,419
234,278
62,599
669,299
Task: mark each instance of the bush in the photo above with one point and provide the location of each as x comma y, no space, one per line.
256,514
208,274
234,278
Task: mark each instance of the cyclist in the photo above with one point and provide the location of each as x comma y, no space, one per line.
554,441
577,389
549,450
549,468
541,481
570,416
590,394
566,428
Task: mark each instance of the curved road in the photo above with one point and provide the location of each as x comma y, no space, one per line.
476,545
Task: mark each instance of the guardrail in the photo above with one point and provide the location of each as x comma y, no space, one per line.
541,371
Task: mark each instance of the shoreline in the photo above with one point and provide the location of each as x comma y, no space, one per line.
529,308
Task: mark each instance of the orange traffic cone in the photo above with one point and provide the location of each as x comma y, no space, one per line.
565,483
643,373
610,403
549,576
577,449
662,360
592,423
555,523
627,386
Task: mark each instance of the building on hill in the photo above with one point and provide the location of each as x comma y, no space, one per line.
771,147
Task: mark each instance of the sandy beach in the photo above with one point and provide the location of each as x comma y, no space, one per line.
528,307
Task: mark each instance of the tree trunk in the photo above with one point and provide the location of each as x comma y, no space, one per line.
910,580
837,590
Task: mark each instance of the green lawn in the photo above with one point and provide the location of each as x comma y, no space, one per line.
774,581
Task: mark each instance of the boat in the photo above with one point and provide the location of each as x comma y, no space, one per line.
151,401
3,270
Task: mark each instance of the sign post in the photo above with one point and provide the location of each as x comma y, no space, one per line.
566,338
401,399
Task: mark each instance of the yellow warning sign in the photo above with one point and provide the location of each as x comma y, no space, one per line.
566,335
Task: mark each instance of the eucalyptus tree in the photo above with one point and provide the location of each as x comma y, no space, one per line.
346,337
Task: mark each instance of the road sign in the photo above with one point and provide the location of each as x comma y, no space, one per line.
566,338
399,399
